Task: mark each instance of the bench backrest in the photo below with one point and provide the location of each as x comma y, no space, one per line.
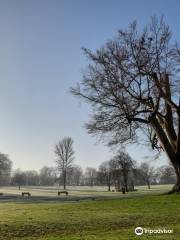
65,192
26,193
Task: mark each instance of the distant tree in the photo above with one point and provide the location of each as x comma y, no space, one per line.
5,169
32,178
137,178
65,156
167,174
122,163
90,176
146,173
105,174
19,178
116,174
47,176
74,176
133,85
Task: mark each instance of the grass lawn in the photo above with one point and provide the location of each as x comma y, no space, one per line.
88,220
85,191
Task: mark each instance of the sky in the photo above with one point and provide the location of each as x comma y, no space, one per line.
41,58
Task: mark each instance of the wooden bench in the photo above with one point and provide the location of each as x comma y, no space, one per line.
65,192
26,193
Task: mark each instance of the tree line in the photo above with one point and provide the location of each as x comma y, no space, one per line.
120,171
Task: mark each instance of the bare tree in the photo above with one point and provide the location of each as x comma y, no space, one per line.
146,173
90,176
47,176
75,174
116,174
5,169
166,174
19,178
32,178
133,84
105,174
65,156
124,165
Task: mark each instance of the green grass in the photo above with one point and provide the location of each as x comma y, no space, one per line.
88,220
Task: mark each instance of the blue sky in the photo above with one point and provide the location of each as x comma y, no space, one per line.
41,58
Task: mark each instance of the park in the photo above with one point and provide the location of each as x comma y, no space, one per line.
90,120
88,213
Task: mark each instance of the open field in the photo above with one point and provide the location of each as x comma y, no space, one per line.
112,219
80,192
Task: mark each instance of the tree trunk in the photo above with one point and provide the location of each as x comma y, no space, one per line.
126,183
109,187
64,180
173,156
176,187
132,185
109,182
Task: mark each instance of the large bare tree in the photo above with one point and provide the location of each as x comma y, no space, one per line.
65,156
133,84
